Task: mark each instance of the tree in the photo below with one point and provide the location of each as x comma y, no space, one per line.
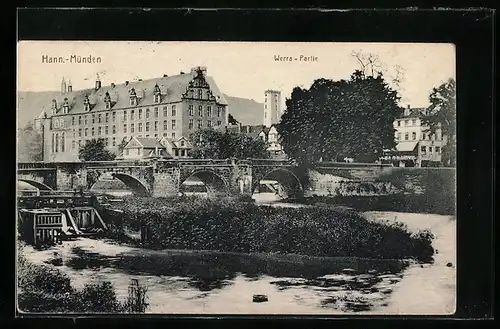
121,146
95,150
30,144
232,120
334,119
214,144
442,114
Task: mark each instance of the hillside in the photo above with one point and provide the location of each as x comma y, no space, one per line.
246,111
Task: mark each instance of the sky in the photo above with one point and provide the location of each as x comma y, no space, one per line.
240,69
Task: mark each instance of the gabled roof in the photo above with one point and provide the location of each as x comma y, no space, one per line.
186,145
145,142
172,88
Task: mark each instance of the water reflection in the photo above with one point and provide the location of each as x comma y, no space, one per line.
343,283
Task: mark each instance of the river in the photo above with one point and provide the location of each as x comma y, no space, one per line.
207,282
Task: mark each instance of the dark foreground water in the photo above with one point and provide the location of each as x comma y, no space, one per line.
214,282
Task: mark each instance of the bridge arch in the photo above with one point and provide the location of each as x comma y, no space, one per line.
34,183
285,177
214,183
134,184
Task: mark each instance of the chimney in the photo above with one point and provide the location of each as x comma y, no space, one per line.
182,72
407,111
112,84
97,83
126,83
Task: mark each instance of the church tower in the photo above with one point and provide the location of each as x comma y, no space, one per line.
70,86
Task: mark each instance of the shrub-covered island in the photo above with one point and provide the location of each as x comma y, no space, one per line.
235,226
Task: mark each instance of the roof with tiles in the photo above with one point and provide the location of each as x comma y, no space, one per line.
416,112
171,88
146,142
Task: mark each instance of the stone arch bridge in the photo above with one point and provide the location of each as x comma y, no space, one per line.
161,178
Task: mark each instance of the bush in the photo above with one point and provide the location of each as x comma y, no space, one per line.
243,227
46,289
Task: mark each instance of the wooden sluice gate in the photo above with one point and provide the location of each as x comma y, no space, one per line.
49,219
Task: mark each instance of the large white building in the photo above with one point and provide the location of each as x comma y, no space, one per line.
416,145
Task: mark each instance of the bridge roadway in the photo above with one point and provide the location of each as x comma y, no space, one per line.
164,177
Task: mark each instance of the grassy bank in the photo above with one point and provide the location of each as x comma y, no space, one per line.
235,226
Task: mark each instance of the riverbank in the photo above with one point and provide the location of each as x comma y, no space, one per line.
428,288
207,282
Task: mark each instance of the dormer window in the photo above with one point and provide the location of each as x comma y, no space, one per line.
157,98
86,104
133,97
200,94
65,106
157,93
107,101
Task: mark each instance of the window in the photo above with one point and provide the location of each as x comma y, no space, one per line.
107,117
191,110
423,149
200,111
93,131
176,152
85,119
72,121
200,124
79,132
265,106
414,135
156,125
398,136
414,122
114,116
165,134
399,123
86,132
99,130
147,113
114,141
174,111
173,124
93,118
406,136
80,120
147,135
165,111
156,112
219,123
156,135
406,123
219,111
79,143
125,128
165,125
139,127
190,124
99,118
147,126
61,123
62,142
106,131
57,142
157,98
133,101
132,128
108,105
53,143
107,141
209,111
73,144
132,115
140,114
437,149
124,116
423,136
200,93
265,114
173,135
209,123
430,149
182,143
114,129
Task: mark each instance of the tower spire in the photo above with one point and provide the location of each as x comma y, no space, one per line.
70,86
63,86
97,82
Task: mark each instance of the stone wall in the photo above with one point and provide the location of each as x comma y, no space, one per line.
166,183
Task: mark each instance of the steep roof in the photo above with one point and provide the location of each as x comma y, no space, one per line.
146,142
171,87
416,112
